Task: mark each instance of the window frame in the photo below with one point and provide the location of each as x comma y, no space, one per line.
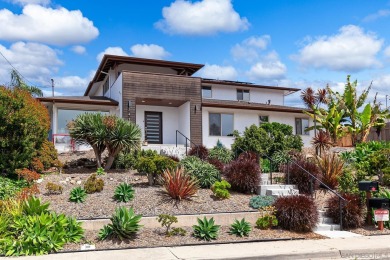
208,88
243,91
302,131
263,122
221,127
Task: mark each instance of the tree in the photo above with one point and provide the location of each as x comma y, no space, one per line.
313,101
18,82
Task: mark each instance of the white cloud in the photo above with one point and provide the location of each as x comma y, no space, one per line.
36,62
27,2
79,49
380,14
219,72
350,50
70,85
269,67
46,25
201,18
113,51
250,48
387,52
151,51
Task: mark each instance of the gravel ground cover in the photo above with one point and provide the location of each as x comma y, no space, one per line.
370,231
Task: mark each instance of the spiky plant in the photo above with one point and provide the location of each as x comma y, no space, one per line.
322,141
77,195
330,168
240,228
178,184
125,223
206,229
124,192
104,232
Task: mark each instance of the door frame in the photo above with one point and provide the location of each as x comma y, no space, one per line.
160,125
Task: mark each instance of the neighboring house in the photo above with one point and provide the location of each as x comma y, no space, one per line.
163,97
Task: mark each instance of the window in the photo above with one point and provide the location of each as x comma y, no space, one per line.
263,119
206,92
67,115
243,94
301,124
220,124
105,87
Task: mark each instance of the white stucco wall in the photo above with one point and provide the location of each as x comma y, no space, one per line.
184,122
245,118
222,92
170,120
116,94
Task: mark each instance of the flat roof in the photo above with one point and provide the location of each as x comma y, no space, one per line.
91,100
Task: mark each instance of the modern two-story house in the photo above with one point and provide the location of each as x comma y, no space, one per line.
164,97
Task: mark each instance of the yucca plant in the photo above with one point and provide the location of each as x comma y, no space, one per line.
124,192
206,229
124,223
240,228
77,195
178,184
322,141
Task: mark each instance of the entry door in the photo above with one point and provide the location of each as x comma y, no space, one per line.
153,127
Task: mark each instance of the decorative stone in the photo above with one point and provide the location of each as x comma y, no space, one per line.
67,179
111,179
40,180
72,182
63,182
78,182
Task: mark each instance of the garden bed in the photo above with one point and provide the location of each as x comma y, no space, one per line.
370,231
148,200
149,237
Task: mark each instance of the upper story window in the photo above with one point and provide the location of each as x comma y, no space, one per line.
206,92
263,119
220,124
106,86
301,124
243,94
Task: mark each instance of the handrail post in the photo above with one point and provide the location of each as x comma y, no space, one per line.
176,138
270,169
186,146
341,214
288,172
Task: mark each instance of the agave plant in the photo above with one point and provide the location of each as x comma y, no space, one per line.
125,223
240,228
206,229
34,206
124,192
105,232
77,195
178,184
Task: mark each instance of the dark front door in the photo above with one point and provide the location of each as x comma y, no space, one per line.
153,127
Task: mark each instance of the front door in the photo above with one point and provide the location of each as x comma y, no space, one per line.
153,127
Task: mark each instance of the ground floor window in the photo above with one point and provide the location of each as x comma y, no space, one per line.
263,119
301,124
67,115
220,124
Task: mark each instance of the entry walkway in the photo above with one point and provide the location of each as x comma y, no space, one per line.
374,247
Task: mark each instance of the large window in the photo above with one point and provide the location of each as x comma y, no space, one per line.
67,115
220,124
206,92
243,94
263,119
301,124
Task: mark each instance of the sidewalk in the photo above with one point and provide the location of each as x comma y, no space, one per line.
374,247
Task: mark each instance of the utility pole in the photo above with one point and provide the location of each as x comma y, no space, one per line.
386,100
52,87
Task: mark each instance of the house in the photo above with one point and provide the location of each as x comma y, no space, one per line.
171,105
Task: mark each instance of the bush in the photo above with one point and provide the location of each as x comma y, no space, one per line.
206,229
240,228
124,192
146,165
178,184
199,151
93,184
205,173
124,224
27,175
126,160
244,173
9,188
77,195
100,171
267,221
48,156
217,164
220,189
174,158
258,202
296,213
167,221
24,127
27,192
34,206
221,154
37,165
53,188
330,169
348,182
353,210
164,163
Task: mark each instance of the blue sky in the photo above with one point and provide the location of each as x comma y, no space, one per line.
281,43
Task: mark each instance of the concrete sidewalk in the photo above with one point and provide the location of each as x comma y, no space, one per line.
374,247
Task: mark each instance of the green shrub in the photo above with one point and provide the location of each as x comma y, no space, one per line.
258,202
166,221
93,184
124,192
146,165
34,206
148,153
47,155
100,171
126,160
9,187
124,224
53,188
77,195
221,154
105,232
348,182
206,229
177,231
220,189
204,172
164,163
266,222
240,228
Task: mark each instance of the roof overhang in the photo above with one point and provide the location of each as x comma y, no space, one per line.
86,100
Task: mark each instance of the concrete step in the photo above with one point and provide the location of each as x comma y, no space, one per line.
281,192
325,220
168,149
262,189
327,227
322,213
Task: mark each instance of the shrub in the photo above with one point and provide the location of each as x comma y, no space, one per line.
77,195
221,154
244,173
126,160
330,169
240,228
9,187
100,171
48,155
104,232
124,192
174,158
167,221
205,173
217,164
27,192
146,165
258,202
296,213
206,229
25,125
37,165
124,224
53,188
353,210
348,182
178,184
199,151
93,184
34,206
220,189
29,176
164,163
266,222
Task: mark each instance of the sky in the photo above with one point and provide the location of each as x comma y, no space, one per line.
280,43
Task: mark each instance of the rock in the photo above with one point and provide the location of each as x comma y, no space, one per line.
72,182
111,179
136,179
78,182
67,179
40,180
63,182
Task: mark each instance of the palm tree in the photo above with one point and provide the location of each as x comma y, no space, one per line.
18,82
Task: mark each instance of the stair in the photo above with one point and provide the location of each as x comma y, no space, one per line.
168,149
277,190
325,223
281,192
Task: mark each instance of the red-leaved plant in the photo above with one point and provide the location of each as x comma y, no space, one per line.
178,184
26,174
199,151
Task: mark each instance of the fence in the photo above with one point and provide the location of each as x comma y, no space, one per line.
346,141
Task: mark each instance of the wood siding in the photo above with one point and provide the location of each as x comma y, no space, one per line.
159,86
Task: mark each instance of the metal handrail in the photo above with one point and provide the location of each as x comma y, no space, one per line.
187,139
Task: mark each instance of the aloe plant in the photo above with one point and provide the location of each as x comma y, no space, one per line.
125,223
240,228
124,192
206,229
77,195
